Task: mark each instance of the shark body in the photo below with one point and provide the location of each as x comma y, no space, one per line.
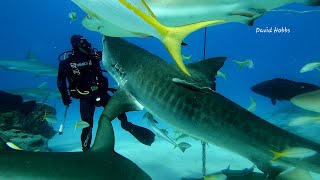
145,80
38,94
30,65
100,163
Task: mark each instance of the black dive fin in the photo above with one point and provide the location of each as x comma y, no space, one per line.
273,101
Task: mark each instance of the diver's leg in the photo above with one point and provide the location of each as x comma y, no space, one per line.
87,111
142,134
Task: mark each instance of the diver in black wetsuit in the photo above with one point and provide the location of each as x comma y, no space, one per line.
86,82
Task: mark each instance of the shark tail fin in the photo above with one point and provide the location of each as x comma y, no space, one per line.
172,37
183,148
241,64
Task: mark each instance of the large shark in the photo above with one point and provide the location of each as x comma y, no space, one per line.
30,65
171,21
100,163
192,106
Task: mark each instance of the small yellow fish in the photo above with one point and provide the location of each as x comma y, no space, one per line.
242,64
303,120
72,16
220,176
186,57
253,105
181,136
295,152
309,67
81,124
13,146
221,74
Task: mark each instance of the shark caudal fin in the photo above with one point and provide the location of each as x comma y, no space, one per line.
171,37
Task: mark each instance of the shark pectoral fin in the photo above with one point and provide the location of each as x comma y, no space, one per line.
104,141
120,103
273,101
294,174
206,70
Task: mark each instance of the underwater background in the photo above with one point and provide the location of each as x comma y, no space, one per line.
44,28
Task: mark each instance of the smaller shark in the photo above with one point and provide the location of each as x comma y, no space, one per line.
100,163
38,94
30,65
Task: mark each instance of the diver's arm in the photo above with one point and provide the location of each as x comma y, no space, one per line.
62,81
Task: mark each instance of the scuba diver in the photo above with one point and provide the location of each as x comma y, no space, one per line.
86,82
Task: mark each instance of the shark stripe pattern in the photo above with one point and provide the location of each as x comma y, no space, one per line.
146,80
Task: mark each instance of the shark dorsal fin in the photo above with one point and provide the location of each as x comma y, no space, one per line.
120,103
31,56
206,70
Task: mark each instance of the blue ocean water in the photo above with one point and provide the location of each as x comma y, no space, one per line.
44,28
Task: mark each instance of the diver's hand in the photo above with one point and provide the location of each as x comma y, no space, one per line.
97,55
66,101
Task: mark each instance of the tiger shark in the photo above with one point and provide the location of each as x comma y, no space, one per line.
30,65
171,21
193,107
100,163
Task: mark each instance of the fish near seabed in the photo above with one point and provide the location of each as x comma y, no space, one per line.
136,17
146,82
282,89
99,163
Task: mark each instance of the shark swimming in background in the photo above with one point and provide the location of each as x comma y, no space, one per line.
171,21
100,163
38,94
146,81
30,65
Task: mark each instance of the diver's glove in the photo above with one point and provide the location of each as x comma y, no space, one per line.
66,100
